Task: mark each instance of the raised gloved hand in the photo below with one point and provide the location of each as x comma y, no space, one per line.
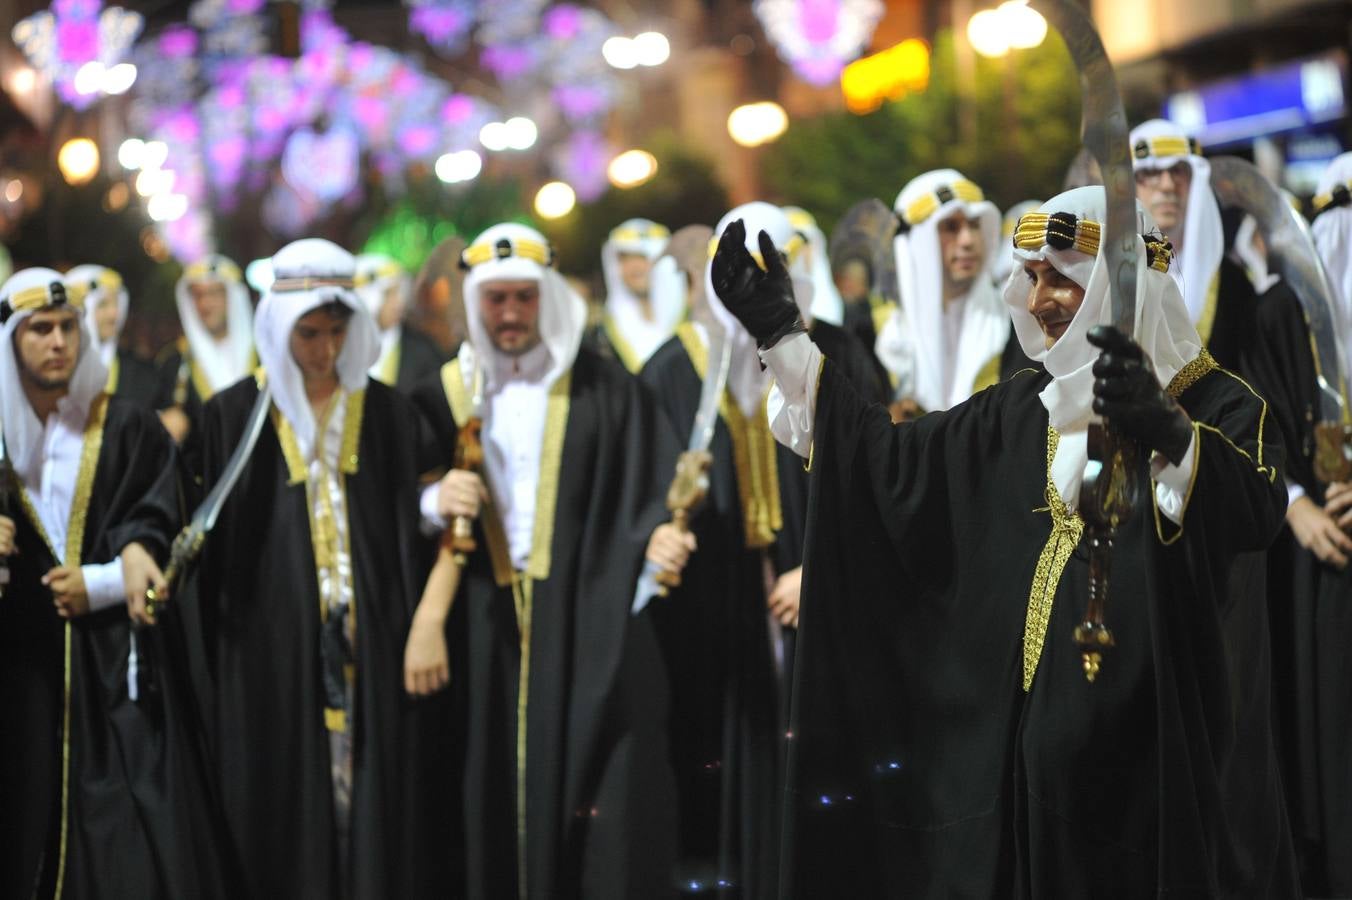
1129,396
760,298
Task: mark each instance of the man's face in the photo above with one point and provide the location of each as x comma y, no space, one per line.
47,346
105,317
317,339
1053,299
391,308
634,271
511,314
852,281
209,299
1164,193
961,248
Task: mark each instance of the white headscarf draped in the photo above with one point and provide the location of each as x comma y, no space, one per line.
98,280
1003,262
22,429
1333,239
376,274
1203,235
277,315
649,239
911,344
563,314
1162,329
816,265
227,361
747,379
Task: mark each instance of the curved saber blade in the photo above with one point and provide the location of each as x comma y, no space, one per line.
1103,128
1238,182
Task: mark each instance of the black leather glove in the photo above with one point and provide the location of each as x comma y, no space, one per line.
1129,396
761,299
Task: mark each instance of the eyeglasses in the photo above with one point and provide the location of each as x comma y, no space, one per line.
1179,171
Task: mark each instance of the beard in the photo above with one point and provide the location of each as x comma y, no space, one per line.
45,382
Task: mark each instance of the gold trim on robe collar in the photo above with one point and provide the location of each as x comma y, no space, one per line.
1067,528
753,453
623,349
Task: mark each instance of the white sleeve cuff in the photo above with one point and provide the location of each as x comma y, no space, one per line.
1172,483
647,587
792,405
103,585
432,523
1293,493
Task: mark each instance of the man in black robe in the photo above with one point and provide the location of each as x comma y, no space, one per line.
1173,182
644,301
946,741
304,593
1309,585
91,804
554,668
407,356
106,304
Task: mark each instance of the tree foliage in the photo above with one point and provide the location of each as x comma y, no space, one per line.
1022,112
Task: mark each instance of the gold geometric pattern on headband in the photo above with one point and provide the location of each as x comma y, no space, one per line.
1167,145
525,248
379,273
1036,230
218,270
107,280
929,203
309,283
38,297
631,234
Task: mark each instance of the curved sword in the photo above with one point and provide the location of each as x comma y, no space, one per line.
1111,482
1290,246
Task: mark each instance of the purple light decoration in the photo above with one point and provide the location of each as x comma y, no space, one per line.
457,109
178,42
817,18
245,7
582,163
818,37
507,61
418,141
580,101
77,40
562,22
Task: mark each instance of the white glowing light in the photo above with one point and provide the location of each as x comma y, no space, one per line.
89,78
119,79
14,190
986,32
167,207
1025,27
259,274
555,200
78,160
463,165
631,168
154,154
651,48
494,136
23,80
132,153
152,182
520,133
620,52
757,123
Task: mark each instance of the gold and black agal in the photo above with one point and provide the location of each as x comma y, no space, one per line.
1067,231
503,248
37,297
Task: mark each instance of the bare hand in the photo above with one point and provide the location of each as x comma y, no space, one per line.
6,536
1317,532
670,548
1338,503
139,572
461,493
427,666
783,600
68,591
176,422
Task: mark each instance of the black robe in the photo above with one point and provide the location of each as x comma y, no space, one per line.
1309,605
135,818
1234,324
419,359
857,362
257,601
599,802
181,382
921,767
134,379
728,712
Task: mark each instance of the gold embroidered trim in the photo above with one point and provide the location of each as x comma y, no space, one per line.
75,532
547,490
623,349
462,408
1067,528
816,391
989,375
523,590
753,452
1191,373
349,454
389,366
295,462
1208,317
114,375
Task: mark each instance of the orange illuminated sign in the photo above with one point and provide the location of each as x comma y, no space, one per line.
887,75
